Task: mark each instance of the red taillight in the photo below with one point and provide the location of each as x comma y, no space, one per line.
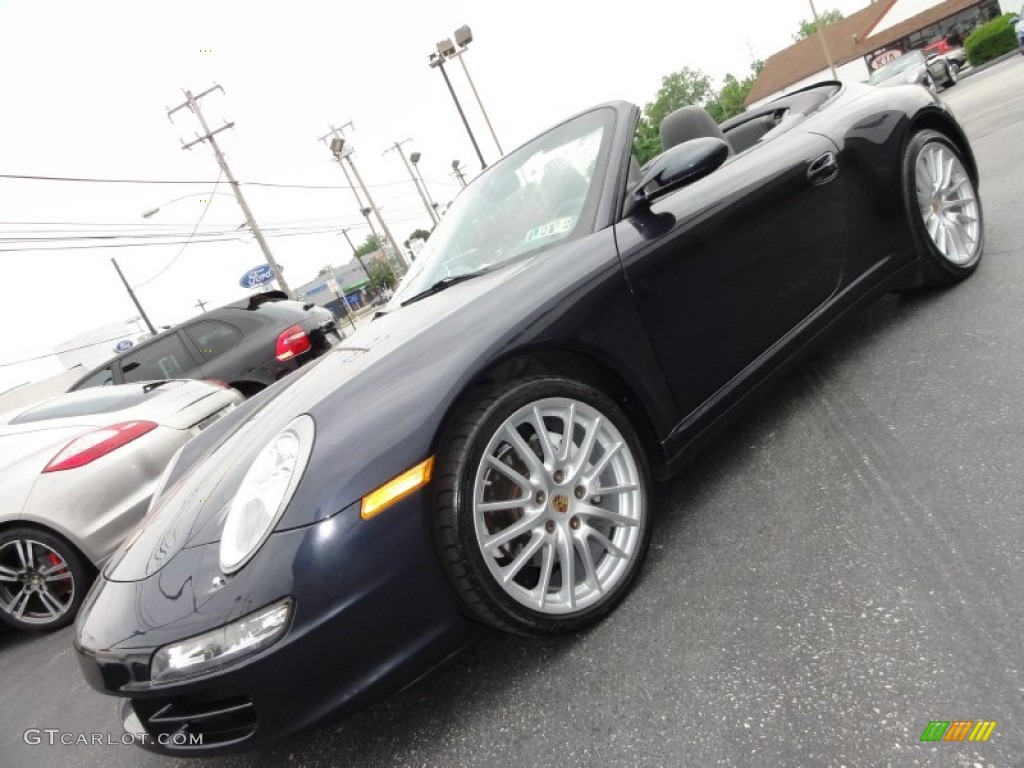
292,343
99,442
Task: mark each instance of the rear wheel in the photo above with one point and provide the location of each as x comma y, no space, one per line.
43,580
952,74
944,209
542,506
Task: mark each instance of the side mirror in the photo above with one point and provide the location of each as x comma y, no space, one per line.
681,165
308,306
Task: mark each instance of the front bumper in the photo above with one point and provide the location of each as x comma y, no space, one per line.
372,613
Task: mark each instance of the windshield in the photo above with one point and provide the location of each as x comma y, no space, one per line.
894,67
544,192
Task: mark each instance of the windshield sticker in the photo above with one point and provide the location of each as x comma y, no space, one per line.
556,227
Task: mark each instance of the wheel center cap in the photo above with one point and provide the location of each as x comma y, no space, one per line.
560,503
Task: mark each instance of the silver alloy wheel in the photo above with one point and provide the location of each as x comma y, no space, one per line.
953,71
558,506
948,203
36,583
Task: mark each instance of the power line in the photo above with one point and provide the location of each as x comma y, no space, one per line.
279,185
192,234
70,349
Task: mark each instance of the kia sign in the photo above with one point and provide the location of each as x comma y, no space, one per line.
123,345
257,276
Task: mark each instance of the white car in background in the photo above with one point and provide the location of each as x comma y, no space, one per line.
76,476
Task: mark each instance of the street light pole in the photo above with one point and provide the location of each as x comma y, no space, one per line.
355,252
463,37
131,294
415,159
397,146
437,60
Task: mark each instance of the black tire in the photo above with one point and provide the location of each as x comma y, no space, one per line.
460,455
929,83
937,268
25,603
952,73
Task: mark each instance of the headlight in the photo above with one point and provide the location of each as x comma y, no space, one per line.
264,493
212,650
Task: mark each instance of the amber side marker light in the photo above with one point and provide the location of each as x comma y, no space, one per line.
396,489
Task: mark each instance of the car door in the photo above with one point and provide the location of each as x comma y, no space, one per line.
723,269
164,358
212,339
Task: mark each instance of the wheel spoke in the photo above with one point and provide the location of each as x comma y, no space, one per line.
543,437
605,515
511,474
24,550
567,562
525,452
51,571
609,546
568,425
518,528
588,565
18,603
547,565
500,506
510,571
8,574
609,454
624,488
54,608
587,446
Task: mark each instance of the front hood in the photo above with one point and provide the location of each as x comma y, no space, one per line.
397,346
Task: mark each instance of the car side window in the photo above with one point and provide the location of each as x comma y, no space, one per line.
163,359
213,338
102,378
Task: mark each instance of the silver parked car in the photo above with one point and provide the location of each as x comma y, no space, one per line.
76,475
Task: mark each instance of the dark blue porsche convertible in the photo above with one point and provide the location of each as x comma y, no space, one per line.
483,453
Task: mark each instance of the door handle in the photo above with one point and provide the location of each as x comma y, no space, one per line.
823,170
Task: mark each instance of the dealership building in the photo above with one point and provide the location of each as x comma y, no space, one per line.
869,38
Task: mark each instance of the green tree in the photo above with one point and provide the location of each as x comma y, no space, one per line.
808,28
422,234
381,275
731,99
325,270
683,88
371,244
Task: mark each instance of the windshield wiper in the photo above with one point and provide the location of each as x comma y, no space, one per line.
440,285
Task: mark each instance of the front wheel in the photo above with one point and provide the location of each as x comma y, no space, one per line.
944,209
541,506
953,74
43,580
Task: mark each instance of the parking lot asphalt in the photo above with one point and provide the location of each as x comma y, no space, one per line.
843,566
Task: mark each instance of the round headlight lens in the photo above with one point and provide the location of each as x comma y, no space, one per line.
264,493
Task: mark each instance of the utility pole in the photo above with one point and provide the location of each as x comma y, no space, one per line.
340,153
397,147
192,102
457,173
131,294
201,304
336,132
821,37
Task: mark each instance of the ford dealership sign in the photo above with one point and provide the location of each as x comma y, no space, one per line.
257,276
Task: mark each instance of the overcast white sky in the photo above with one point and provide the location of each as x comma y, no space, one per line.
86,86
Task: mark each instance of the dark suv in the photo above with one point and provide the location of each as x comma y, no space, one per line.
248,345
